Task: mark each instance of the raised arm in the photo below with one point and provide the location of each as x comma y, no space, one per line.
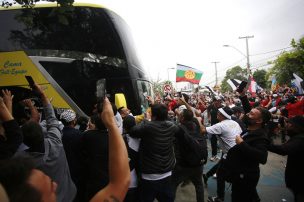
9,142
182,99
119,172
201,126
5,114
245,101
35,116
8,100
52,124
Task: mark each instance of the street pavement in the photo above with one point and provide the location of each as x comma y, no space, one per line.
271,187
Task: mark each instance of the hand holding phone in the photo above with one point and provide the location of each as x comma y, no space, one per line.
101,91
30,81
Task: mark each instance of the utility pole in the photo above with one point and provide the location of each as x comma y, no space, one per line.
247,52
216,81
168,72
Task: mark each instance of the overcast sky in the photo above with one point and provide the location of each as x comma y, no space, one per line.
193,32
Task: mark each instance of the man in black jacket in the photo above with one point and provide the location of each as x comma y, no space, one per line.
243,159
71,140
185,170
294,148
156,155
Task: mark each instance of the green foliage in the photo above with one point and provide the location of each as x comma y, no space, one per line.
234,73
31,3
260,77
289,62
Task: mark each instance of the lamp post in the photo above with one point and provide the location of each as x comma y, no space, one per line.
247,51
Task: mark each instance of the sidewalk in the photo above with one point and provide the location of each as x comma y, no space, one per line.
271,187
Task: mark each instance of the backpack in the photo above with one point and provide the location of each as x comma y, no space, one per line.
195,151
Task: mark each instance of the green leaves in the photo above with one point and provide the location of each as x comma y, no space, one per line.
234,73
260,77
31,3
290,62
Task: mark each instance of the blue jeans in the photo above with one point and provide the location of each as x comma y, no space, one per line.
156,189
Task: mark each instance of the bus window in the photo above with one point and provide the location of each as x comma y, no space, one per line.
82,87
144,88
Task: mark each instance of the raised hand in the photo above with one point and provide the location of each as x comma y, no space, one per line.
8,99
107,114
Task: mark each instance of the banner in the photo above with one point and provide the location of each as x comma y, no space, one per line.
188,74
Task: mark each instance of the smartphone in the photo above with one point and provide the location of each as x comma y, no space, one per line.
241,87
101,91
30,81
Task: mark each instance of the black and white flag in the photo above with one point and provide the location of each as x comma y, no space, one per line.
234,83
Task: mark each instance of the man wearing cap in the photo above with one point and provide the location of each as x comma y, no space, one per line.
226,131
71,140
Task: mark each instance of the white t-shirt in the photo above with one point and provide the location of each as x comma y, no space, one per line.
226,131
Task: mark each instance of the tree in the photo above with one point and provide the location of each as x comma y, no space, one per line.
31,3
260,77
234,73
289,62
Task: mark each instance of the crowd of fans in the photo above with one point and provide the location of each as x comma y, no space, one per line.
117,156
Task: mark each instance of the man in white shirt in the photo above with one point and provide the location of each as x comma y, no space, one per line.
226,131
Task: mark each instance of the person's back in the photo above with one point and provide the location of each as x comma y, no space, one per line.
71,140
226,131
156,154
294,148
156,142
47,151
95,148
187,166
53,162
